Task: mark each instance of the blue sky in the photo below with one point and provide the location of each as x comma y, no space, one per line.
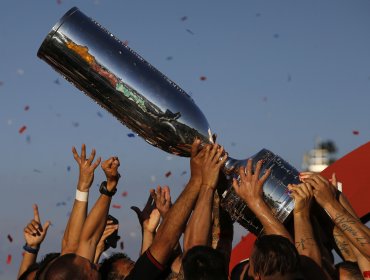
279,74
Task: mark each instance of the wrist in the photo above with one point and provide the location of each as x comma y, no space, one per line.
82,196
32,249
302,214
111,185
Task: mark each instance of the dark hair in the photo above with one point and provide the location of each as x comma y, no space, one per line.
350,267
107,268
237,271
69,267
274,254
204,263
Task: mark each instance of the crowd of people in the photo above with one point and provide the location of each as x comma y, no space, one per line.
322,219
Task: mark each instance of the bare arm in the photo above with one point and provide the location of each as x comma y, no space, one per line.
78,215
250,190
303,232
352,228
34,233
95,222
173,224
100,248
198,229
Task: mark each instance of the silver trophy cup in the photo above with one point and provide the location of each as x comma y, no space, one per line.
150,104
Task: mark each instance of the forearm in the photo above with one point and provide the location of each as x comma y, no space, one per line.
93,228
304,238
362,261
198,228
27,260
147,241
269,222
74,227
343,245
353,229
169,232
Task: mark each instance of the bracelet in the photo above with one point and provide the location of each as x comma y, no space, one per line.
31,250
82,196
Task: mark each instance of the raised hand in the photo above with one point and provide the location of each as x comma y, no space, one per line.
197,156
152,222
302,194
86,167
144,214
250,188
34,233
110,168
323,190
212,164
162,199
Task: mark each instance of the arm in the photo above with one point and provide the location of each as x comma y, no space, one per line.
352,228
95,222
100,248
169,232
34,233
303,232
78,215
198,229
250,190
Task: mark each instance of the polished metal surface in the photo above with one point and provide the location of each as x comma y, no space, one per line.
149,103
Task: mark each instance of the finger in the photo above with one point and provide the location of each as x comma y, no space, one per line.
223,159
258,169
334,181
300,191
213,152
236,186
75,155
265,176
83,152
35,224
167,193
27,230
152,196
195,147
309,189
249,169
312,183
217,157
92,156
242,171
96,163
32,228
36,216
46,226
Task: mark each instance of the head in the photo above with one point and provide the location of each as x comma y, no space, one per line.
71,267
348,271
117,266
30,273
239,271
274,257
204,263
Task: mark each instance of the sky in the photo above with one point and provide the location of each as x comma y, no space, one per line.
266,74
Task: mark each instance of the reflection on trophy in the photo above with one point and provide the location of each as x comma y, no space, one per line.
150,104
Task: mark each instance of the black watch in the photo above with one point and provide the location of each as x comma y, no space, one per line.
103,189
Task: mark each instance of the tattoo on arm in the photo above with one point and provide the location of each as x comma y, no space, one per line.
304,243
345,225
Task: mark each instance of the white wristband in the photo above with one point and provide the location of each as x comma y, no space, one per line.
82,196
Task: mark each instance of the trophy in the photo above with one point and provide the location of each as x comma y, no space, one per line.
153,106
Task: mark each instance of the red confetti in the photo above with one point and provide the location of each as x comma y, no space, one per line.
117,206
168,174
10,238
9,259
121,245
366,274
356,132
22,129
59,2
124,194
203,78
26,108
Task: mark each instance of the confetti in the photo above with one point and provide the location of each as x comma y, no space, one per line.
258,14
1,83
116,206
233,144
124,194
28,139
75,124
57,82
264,99
121,245
276,35
152,178
22,129
61,204
59,2
168,174
99,114
355,132
68,168
183,173
132,234
289,78
26,108
9,259
37,171
10,238
184,18
131,135
203,78
169,58
189,31
20,72
125,43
